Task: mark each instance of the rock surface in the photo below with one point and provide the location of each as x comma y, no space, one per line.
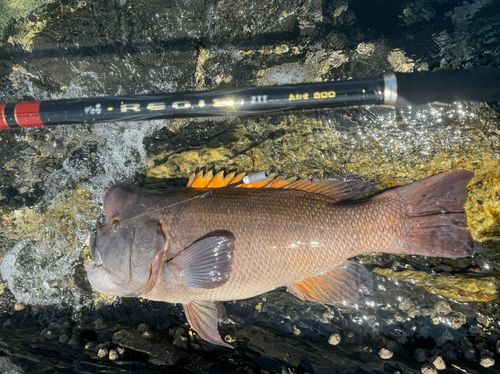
53,180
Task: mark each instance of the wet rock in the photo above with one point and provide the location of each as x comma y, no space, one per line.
63,339
394,347
421,354
487,362
477,331
442,307
334,339
181,339
9,323
160,349
385,354
428,369
99,324
143,328
439,363
449,352
7,367
352,338
90,346
447,336
470,354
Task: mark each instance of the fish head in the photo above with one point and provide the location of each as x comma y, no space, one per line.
124,248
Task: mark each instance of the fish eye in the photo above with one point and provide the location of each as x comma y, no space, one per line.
115,224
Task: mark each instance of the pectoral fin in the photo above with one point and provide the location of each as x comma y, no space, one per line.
204,264
203,318
340,286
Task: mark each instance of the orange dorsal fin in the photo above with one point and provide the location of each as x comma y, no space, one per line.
337,190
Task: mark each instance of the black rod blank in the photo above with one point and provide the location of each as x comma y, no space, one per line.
477,84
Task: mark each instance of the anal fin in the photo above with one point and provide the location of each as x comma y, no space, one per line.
203,318
340,286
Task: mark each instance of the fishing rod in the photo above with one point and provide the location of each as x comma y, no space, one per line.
392,90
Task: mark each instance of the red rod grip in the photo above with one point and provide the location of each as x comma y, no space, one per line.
28,114
3,123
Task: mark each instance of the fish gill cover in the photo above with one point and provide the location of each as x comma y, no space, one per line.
425,313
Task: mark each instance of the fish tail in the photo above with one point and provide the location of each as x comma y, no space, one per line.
435,209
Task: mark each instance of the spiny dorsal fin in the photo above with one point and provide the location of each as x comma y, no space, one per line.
337,190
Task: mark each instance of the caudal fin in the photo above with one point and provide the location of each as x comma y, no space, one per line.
435,207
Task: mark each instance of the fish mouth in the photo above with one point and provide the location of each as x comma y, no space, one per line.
94,252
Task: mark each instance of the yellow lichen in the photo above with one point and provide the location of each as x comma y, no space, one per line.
30,30
60,219
311,70
484,205
278,50
457,287
203,56
400,63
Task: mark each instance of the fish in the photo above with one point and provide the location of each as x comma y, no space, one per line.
213,241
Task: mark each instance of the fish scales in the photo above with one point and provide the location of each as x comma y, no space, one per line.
281,236
196,246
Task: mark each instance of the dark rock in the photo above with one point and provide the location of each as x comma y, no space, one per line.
181,338
100,346
421,355
63,339
99,324
143,327
470,354
160,349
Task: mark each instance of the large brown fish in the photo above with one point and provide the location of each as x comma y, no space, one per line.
193,247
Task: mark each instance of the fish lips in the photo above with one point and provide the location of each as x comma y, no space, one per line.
109,272
122,260
94,253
